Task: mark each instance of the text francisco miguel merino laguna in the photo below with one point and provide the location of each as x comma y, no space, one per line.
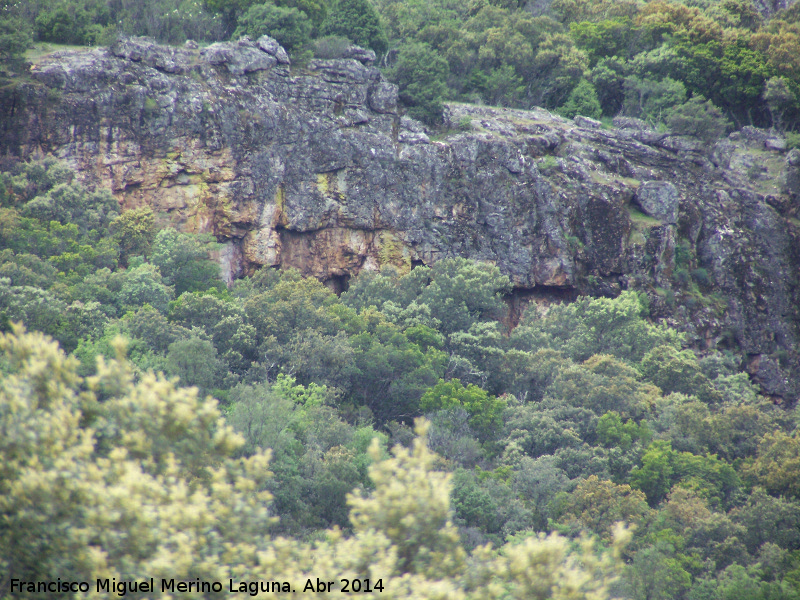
120,588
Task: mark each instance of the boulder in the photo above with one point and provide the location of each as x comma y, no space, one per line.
659,199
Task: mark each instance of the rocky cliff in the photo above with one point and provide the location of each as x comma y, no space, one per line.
315,168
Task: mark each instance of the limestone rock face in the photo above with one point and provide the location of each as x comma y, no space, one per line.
315,168
659,199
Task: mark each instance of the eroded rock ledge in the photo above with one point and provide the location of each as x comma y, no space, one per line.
315,168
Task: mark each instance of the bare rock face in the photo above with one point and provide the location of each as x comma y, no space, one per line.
659,199
315,168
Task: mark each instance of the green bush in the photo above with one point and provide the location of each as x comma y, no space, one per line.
650,99
291,27
358,21
582,101
792,140
420,73
331,46
14,40
699,118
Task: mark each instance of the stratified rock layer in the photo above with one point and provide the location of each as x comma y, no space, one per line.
315,168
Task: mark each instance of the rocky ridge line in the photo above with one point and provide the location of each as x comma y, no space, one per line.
316,168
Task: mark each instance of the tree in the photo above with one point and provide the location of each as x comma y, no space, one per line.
100,489
603,384
597,506
135,230
656,574
174,21
290,26
502,86
583,101
420,74
358,21
611,431
15,38
594,326
73,204
675,370
768,519
62,23
184,262
780,101
194,361
777,466
100,479
462,292
143,284
281,303
484,410
608,77
700,118
574,11
203,310
654,477
263,417
558,67
152,327
652,100
612,37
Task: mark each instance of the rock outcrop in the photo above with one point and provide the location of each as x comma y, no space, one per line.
316,168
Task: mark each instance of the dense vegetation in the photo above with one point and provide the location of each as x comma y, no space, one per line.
584,415
698,67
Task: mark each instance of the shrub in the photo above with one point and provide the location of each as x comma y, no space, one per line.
699,118
331,46
291,27
420,73
358,21
582,101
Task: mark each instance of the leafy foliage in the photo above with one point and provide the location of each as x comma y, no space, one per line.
695,67
108,500
358,21
584,415
583,101
419,74
290,26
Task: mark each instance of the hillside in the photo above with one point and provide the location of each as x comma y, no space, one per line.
316,168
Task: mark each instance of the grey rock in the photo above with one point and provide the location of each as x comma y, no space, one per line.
273,48
344,70
790,177
659,199
146,50
762,138
768,8
410,124
630,123
722,152
587,122
410,137
382,97
362,55
681,144
775,144
768,373
239,57
754,135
